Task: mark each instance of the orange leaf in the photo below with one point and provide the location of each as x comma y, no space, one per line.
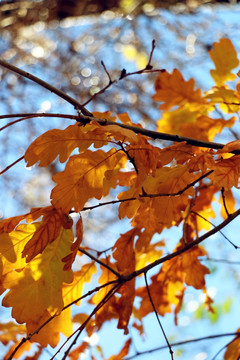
123,252
8,225
230,147
173,90
225,59
21,350
125,305
226,173
120,133
62,142
84,178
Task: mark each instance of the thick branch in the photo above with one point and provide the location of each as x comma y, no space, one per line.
155,134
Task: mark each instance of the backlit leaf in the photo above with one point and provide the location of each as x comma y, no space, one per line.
46,233
172,90
84,178
225,60
62,142
38,287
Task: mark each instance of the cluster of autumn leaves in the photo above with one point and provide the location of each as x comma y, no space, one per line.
159,187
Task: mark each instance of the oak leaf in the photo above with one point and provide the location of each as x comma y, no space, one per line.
225,60
49,334
226,173
73,291
46,233
38,287
84,178
228,99
62,142
123,252
173,90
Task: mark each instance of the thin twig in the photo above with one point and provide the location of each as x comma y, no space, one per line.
34,115
149,66
107,72
224,200
225,237
185,342
12,164
222,261
157,316
47,86
99,261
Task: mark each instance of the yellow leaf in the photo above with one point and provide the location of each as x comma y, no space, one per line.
50,333
172,121
173,90
12,244
105,277
225,59
228,99
38,287
10,332
84,178
73,290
